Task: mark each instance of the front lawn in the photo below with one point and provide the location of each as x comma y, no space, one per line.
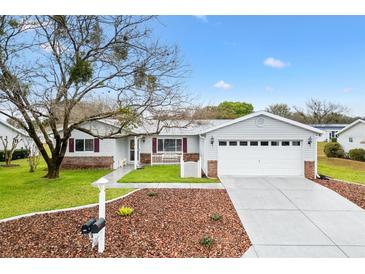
161,174
23,192
341,169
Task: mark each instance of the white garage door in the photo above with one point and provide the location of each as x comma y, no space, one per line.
260,158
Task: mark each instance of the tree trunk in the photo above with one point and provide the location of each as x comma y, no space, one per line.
54,166
53,172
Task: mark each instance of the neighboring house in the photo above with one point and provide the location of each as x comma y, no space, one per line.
329,131
352,136
258,144
11,132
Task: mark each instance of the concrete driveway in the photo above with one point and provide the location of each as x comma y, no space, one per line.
295,217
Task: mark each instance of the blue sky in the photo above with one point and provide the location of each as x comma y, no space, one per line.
271,59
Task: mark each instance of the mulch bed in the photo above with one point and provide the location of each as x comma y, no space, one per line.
353,192
170,224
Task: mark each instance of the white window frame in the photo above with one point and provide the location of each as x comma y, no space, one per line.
84,139
163,145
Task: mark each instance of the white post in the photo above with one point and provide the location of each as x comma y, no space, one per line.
101,237
135,152
182,174
199,175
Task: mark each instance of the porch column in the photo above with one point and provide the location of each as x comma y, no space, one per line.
135,152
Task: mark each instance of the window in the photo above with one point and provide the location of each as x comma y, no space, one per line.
89,145
285,143
296,143
222,143
351,139
264,143
79,145
232,143
243,143
169,145
274,143
254,143
84,145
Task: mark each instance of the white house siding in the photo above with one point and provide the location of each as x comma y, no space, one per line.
271,130
121,151
357,133
10,133
107,146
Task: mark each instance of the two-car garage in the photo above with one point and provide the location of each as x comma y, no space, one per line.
260,157
261,144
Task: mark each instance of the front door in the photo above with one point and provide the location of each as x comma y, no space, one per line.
131,150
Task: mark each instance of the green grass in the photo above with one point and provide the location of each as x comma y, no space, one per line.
24,192
342,169
161,174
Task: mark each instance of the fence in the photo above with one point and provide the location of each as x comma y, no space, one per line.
190,169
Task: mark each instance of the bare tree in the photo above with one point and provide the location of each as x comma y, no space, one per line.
51,67
33,156
9,147
282,110
320,112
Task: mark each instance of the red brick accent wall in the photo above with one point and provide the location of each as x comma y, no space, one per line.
191,157
309,170
212,168
87,162
145,158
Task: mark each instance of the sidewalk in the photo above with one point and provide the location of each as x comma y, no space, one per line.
168,185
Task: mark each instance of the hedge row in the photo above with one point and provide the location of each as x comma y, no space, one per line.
334,149
18,154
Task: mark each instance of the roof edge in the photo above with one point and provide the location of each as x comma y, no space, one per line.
13,128
350,126
270,115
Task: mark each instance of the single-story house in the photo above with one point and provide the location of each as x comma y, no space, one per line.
329,131
352,136
7,130
258,144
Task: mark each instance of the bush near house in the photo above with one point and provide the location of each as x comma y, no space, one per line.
334,149
18,154
357,154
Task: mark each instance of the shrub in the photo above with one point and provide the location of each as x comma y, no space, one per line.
152,194
125,211
18,154
334,150
215,217
334,140
357,154
207,241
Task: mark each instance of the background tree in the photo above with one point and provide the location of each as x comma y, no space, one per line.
53,67
320,112
225,110
282,110
9,147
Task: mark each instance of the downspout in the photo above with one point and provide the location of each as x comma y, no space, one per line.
315,156
135,152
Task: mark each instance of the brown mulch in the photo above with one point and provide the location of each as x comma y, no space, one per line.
170,224
353,192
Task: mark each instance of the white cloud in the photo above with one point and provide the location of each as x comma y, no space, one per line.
222,85
347,90
269,88
275,63
202,18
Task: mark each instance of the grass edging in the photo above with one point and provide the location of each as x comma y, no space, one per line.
64,209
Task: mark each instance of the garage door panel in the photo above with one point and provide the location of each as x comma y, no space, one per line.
260,160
